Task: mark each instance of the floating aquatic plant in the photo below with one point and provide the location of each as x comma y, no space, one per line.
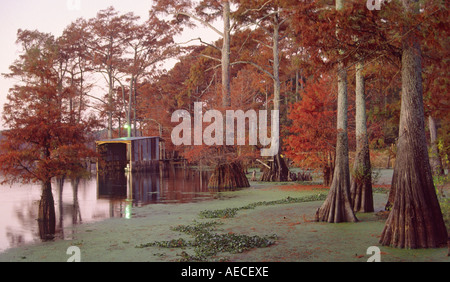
231,212
207,243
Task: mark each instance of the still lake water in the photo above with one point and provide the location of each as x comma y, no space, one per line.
95,199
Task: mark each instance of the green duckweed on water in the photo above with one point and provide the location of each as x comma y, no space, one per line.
207,243
231,212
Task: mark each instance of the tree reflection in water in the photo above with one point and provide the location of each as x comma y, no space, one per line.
91,199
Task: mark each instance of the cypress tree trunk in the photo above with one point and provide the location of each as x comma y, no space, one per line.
110,106
415,220
435,161
76,214
226,90
46,214
60,182
327,176
337,206
361,185
228,176
278,169
328,170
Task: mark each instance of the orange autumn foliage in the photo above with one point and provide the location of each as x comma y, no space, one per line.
312,135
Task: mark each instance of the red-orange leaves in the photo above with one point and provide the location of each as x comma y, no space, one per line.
313,131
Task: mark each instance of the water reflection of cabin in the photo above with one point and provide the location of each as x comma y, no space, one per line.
129,153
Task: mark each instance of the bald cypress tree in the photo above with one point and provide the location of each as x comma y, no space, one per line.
415,219
337,206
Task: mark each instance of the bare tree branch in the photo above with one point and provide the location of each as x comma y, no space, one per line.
264,44
201,21
96,98
201,41
256,66
212,58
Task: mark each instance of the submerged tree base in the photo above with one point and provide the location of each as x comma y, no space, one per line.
228,176
46,214
361,185
278,171
337,206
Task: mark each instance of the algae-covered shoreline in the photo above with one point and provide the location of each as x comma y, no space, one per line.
258,212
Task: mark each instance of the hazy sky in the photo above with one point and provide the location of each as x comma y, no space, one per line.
52,16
